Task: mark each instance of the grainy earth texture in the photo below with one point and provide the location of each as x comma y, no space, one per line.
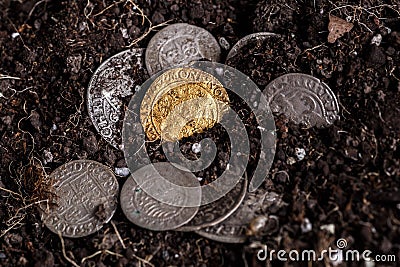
350,175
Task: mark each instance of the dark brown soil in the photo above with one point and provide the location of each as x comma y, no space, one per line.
350,176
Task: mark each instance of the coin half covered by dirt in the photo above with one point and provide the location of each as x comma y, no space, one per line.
303,98
110,89
178,44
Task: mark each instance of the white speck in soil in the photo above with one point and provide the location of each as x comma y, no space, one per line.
300,153
306,226
196,148
224,43
125,33
122,171
376,40
48,156
330,228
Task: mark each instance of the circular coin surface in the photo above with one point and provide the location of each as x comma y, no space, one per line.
86,193
302,98
147,212
174,93
235,228
180,43
111,85
215,212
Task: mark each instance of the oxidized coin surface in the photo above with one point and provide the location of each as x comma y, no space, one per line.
235,228
217,211
245,40
302,98
110,87
87,193
167,96
178,44
147,212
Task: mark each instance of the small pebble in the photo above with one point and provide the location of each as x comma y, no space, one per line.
306,226
330,228
224,43
196,148
376,40
48,156
300,153
122,171
125,33
257,224
14,35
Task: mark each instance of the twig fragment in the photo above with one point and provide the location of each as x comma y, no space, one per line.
118,235
5,76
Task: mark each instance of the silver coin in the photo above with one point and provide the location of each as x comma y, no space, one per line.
86,193
115,80
303,98
235,228
178,44
215,212
146,211
245,40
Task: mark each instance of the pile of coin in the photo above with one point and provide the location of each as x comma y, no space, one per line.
184,95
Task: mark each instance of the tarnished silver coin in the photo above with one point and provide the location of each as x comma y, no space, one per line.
113,82
235,229
146,211
87,193
215,212
178,44
245,40
302,98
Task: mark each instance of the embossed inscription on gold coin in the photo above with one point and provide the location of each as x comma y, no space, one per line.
181,102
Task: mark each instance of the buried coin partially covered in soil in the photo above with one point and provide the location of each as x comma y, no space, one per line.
303,99
114,81
86,193
178,44
237,227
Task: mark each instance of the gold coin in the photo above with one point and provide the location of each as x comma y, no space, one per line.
181,102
